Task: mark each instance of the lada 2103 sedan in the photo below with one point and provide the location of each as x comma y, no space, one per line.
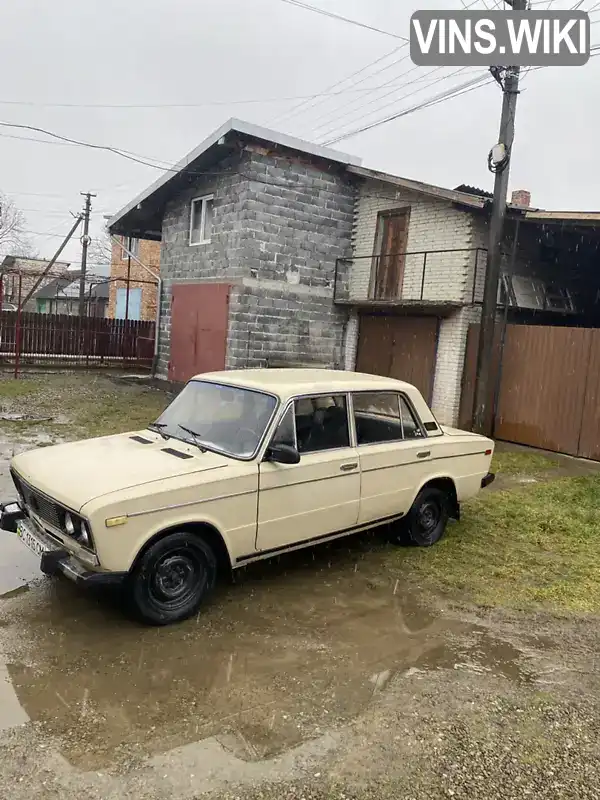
242,465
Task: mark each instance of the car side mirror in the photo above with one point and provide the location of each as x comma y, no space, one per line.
283,454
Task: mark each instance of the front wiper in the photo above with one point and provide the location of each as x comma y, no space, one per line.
195,434
158,427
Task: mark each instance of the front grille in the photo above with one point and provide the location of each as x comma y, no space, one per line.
35,501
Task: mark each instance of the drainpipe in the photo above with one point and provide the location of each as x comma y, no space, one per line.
158,279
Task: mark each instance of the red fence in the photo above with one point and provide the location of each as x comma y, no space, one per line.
33,338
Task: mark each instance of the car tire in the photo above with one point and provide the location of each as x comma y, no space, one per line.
171,579
426,522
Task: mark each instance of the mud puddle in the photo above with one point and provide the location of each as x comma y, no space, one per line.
288,654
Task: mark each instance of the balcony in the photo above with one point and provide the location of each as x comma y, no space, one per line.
435,280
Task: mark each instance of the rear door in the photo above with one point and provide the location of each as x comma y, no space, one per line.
393,452
320,495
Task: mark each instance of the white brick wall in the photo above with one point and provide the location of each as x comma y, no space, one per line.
452,343
434,225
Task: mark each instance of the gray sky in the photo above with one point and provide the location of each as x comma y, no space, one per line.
215,53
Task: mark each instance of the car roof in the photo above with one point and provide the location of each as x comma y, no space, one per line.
288,382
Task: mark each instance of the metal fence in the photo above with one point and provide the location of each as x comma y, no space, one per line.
40,324
412,276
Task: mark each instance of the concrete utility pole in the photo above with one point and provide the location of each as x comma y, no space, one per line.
510,89
85,243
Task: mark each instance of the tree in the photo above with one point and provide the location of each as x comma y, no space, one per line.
100,250
13,238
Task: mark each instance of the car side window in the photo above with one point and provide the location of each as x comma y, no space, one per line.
377,417
286,430
412,429
322,423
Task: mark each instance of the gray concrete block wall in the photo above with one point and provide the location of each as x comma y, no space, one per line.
280,222
283,326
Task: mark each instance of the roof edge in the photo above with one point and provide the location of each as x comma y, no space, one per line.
423,188
245,128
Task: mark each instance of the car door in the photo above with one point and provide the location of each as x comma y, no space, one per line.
393,454
320,495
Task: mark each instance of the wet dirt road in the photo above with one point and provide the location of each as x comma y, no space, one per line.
320,664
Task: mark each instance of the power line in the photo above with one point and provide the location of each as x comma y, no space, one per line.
297,107
331,15
35,104
448,94
394,63
361,109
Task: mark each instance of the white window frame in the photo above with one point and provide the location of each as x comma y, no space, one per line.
204,199
127,243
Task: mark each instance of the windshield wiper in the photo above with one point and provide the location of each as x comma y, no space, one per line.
158,427
195,434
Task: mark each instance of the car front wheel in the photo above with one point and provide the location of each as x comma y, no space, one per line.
425,523
171,579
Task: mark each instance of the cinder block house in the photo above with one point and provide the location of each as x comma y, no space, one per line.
251,225
274,251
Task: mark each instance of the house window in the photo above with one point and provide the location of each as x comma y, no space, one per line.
133,245
201,218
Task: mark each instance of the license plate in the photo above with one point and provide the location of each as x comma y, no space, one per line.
31,540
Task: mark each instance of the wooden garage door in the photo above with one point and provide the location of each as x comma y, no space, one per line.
399,347
199,324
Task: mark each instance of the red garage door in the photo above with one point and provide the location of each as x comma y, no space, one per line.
199,322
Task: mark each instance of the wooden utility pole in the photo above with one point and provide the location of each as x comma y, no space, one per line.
483,388
85,243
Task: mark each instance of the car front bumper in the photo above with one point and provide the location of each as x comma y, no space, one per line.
55,560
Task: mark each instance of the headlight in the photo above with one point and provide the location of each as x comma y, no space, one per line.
69,525
84,537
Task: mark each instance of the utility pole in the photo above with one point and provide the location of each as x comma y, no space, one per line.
500,164
85,243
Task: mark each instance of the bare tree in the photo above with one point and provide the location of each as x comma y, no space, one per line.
13,238
100,250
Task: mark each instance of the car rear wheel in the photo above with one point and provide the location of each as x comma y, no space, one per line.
171,579
426,522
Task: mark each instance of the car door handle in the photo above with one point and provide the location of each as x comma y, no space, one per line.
349,467
424,454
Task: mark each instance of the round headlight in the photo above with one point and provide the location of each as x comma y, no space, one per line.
69,525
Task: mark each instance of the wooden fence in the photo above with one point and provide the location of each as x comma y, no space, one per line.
60,338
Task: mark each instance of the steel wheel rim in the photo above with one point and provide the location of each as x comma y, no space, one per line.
428,518
177,578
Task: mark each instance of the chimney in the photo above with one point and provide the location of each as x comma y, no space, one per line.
521,197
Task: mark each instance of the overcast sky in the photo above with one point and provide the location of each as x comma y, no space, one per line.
214,54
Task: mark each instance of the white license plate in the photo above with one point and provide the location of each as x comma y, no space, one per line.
31,540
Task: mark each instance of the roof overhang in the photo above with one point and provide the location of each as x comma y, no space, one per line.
142,217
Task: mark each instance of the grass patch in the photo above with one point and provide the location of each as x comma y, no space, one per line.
81,405
532,548
522,462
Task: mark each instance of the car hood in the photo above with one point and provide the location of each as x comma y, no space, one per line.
77,472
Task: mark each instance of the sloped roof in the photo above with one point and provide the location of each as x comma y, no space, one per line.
142,216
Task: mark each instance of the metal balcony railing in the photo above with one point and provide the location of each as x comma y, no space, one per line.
453,276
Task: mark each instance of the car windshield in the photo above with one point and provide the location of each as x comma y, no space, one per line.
228,419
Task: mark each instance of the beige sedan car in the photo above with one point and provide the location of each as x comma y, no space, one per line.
243,465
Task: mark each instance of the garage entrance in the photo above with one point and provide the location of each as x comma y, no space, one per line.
199,324
401,347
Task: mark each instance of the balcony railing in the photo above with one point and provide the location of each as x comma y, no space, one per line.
449,276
